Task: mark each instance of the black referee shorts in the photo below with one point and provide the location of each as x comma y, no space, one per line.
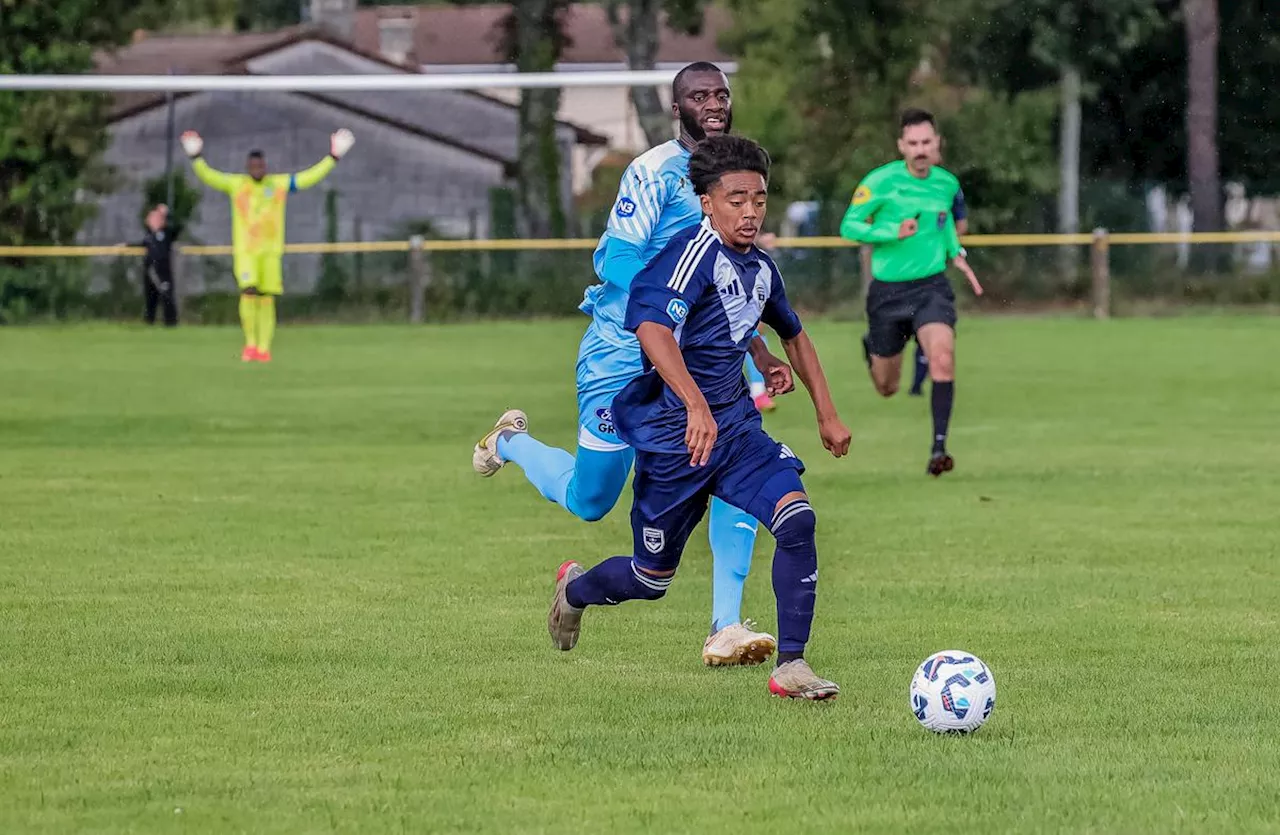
897,309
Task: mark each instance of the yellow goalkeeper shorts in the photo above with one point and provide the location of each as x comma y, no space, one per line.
264,273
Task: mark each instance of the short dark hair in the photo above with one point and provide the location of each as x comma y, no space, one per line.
915,116
696,66
256,154
716,156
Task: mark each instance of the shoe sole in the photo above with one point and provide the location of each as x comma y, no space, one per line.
750,655
816,696
564,575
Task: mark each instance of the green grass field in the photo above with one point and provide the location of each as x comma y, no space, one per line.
276,598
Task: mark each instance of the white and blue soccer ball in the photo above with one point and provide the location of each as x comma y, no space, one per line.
953,692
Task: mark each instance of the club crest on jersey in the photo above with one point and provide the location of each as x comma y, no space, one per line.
677,309
761,295
654,540
626,207
942,220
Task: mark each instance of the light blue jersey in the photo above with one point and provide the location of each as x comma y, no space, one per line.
655,202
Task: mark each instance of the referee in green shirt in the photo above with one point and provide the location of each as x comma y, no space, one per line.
903,210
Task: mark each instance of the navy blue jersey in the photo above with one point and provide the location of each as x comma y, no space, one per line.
712,297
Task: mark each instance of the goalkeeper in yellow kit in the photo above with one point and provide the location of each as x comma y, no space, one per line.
257,230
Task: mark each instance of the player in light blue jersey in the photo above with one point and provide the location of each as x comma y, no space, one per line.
655,201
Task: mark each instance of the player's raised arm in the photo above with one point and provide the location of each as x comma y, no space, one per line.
778,315
339,143
193,147
864,224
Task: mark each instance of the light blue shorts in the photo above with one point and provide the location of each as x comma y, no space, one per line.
604,369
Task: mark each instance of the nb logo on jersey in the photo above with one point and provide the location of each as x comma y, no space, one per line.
626,207
785,452
677,309
654,540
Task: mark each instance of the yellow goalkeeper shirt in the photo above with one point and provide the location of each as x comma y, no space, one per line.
257,206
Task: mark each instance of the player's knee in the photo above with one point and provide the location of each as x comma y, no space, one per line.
648,585
592,502
794,524
886,387
942,365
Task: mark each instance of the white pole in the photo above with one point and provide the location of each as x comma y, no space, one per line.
332,83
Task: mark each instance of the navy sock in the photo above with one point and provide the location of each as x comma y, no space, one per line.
795,576
613,581
941,399
921,370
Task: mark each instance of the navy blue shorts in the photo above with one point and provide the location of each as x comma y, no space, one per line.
752,472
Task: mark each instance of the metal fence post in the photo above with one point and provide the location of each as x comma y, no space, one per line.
418,275
1100,268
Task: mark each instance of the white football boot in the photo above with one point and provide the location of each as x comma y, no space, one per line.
485,459
797,680
738,644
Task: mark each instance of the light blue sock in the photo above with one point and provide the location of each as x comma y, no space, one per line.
733,537
549,469
753,374
588,486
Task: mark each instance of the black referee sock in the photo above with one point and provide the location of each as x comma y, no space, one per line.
941,398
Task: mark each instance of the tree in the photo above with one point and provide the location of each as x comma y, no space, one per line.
1201,20
534,39
52,143
638,35
1075,41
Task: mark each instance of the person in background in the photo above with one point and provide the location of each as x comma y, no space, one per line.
157,265
921,366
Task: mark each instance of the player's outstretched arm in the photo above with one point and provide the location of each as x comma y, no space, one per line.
193,147
804,358
339,144
659,345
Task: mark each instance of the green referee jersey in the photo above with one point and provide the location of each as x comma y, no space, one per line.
891,194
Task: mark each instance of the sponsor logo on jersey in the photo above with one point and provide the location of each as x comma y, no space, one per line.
626,207
677,309
605,418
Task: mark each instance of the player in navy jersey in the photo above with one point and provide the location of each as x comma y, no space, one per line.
655,202
690,418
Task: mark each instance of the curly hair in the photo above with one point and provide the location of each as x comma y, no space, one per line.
716,156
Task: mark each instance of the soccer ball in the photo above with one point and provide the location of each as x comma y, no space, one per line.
953,692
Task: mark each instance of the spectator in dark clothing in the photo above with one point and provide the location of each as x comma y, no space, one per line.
157,265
